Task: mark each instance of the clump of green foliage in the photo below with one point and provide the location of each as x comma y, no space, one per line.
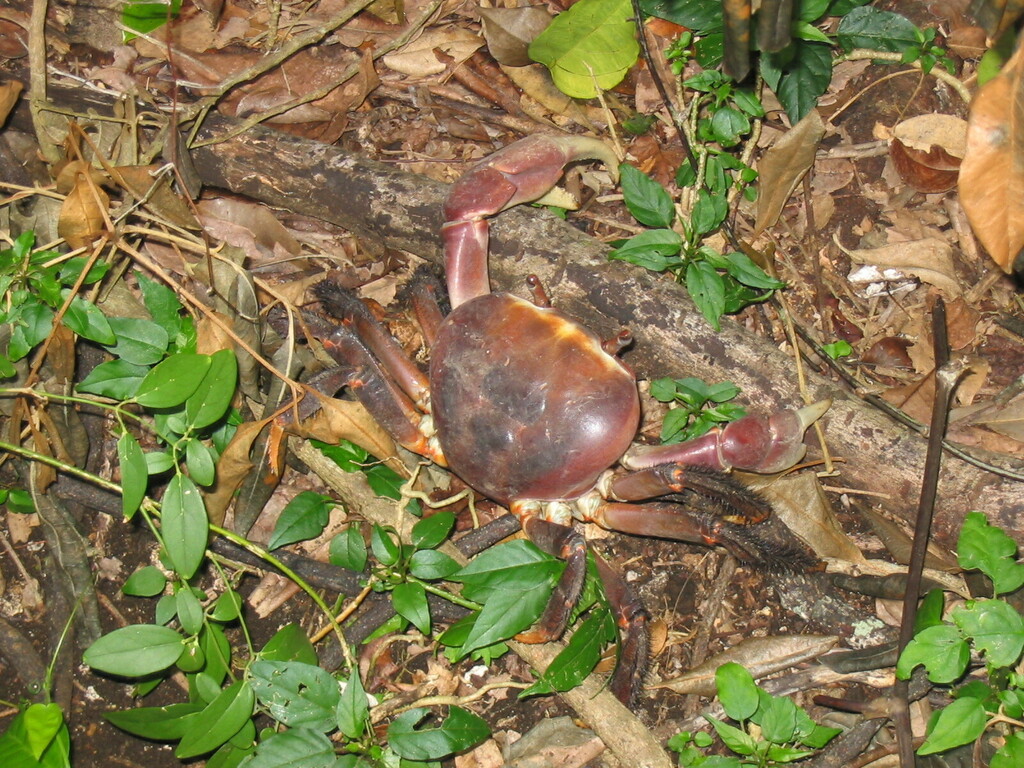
994,630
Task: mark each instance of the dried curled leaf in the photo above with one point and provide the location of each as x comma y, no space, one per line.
783,166
509,32
927,150
83,213
992,173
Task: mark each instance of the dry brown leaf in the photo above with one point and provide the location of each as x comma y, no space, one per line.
160,197
761,655
801,504
782,167
487,755
509,32
535,83
926,151
928,259
9,93
992,173
339,420
418,60
1005,419
233,466
82,214
211,336
249,226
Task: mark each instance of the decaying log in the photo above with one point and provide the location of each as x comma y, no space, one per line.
377,201
401,210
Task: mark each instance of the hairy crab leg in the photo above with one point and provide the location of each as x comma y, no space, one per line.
566,544
377,391
756,443
347,307
522,172
738,504
634,642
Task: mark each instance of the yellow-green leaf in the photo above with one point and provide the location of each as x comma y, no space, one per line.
589,47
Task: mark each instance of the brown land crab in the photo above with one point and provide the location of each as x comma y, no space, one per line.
536,412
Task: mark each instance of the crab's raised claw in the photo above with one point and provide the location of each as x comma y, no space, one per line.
522,172
754,443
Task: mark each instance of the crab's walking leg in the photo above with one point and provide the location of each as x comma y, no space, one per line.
634,640
563,542
522,172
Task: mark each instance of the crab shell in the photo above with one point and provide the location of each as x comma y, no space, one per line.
526,402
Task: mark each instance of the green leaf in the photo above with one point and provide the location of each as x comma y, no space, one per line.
227,607
385,548
577,660
653,249
144,17
778,720
84,318
34,324
837,349
459,731
115,379
876,30
290,643
42,724
429,532
729,125
747,272
996,629
156,723
139,341
148,581
135,651
173,381
221,720
961,722
805,80
431,565
410,602
929,613
739,741
348,550
201,466
15,749
805,31
296,694
304,517
940,649
184,525
647,201
190,610
589,47
517,564
1011,754
212,398
162,303
134,474
709,211
988,549
353,709
295,748
736,690
707,290
507,612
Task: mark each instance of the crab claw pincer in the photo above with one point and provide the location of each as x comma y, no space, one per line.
523,172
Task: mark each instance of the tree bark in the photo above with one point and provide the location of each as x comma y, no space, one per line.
403,211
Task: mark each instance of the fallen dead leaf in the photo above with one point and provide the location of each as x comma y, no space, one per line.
418,60
83,213
992,174
9,93
928,259
761,655
509,32
782,167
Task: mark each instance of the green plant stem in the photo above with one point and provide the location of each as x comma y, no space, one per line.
266,556
62,466
445,594
860,54
113,406
241,541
